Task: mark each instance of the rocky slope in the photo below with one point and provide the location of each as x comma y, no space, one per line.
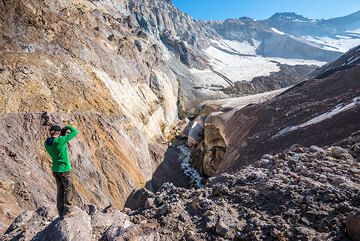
298,194
319,111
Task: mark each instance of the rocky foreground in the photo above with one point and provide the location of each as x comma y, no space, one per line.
299,194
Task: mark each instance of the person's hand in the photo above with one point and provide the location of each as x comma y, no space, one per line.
64,131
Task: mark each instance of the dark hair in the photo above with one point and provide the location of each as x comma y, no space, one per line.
55,128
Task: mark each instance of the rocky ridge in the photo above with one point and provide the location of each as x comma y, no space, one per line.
298,194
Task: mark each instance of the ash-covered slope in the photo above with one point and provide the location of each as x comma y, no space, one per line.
298,194
347,61
319,111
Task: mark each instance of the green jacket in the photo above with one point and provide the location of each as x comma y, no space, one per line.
56,147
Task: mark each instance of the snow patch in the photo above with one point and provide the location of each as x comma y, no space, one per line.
206,78
195,177
241,102
238,68
341,43
337,110
357,31
243,47
352,60
294,62
277,31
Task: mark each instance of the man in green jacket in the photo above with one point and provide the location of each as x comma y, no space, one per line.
55,145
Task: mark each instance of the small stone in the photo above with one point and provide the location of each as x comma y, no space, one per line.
211,221
111,37
127,211
221,228
322,178
339,153
149,203
90,209
12,154
317,149
209,213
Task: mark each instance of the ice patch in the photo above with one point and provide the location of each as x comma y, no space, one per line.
188,169
277,31
337,110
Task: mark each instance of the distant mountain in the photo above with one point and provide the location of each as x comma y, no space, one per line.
299,25
345,24
272,41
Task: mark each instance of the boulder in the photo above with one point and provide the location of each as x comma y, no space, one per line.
136,232
74,228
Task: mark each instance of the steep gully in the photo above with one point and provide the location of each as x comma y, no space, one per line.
198,148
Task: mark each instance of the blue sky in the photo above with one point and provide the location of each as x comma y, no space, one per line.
262,9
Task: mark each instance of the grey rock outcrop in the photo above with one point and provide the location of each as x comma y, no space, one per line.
77,227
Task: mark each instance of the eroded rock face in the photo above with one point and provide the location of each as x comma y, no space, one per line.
88,64
210,148
108,158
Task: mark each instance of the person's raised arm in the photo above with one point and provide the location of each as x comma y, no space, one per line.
65,139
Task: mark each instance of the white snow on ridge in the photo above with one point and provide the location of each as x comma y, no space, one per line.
342,44
353,59
277,31
337,110
354,31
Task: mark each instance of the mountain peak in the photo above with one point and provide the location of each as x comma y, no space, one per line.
289,16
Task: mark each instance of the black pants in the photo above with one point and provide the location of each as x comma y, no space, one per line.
64,191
